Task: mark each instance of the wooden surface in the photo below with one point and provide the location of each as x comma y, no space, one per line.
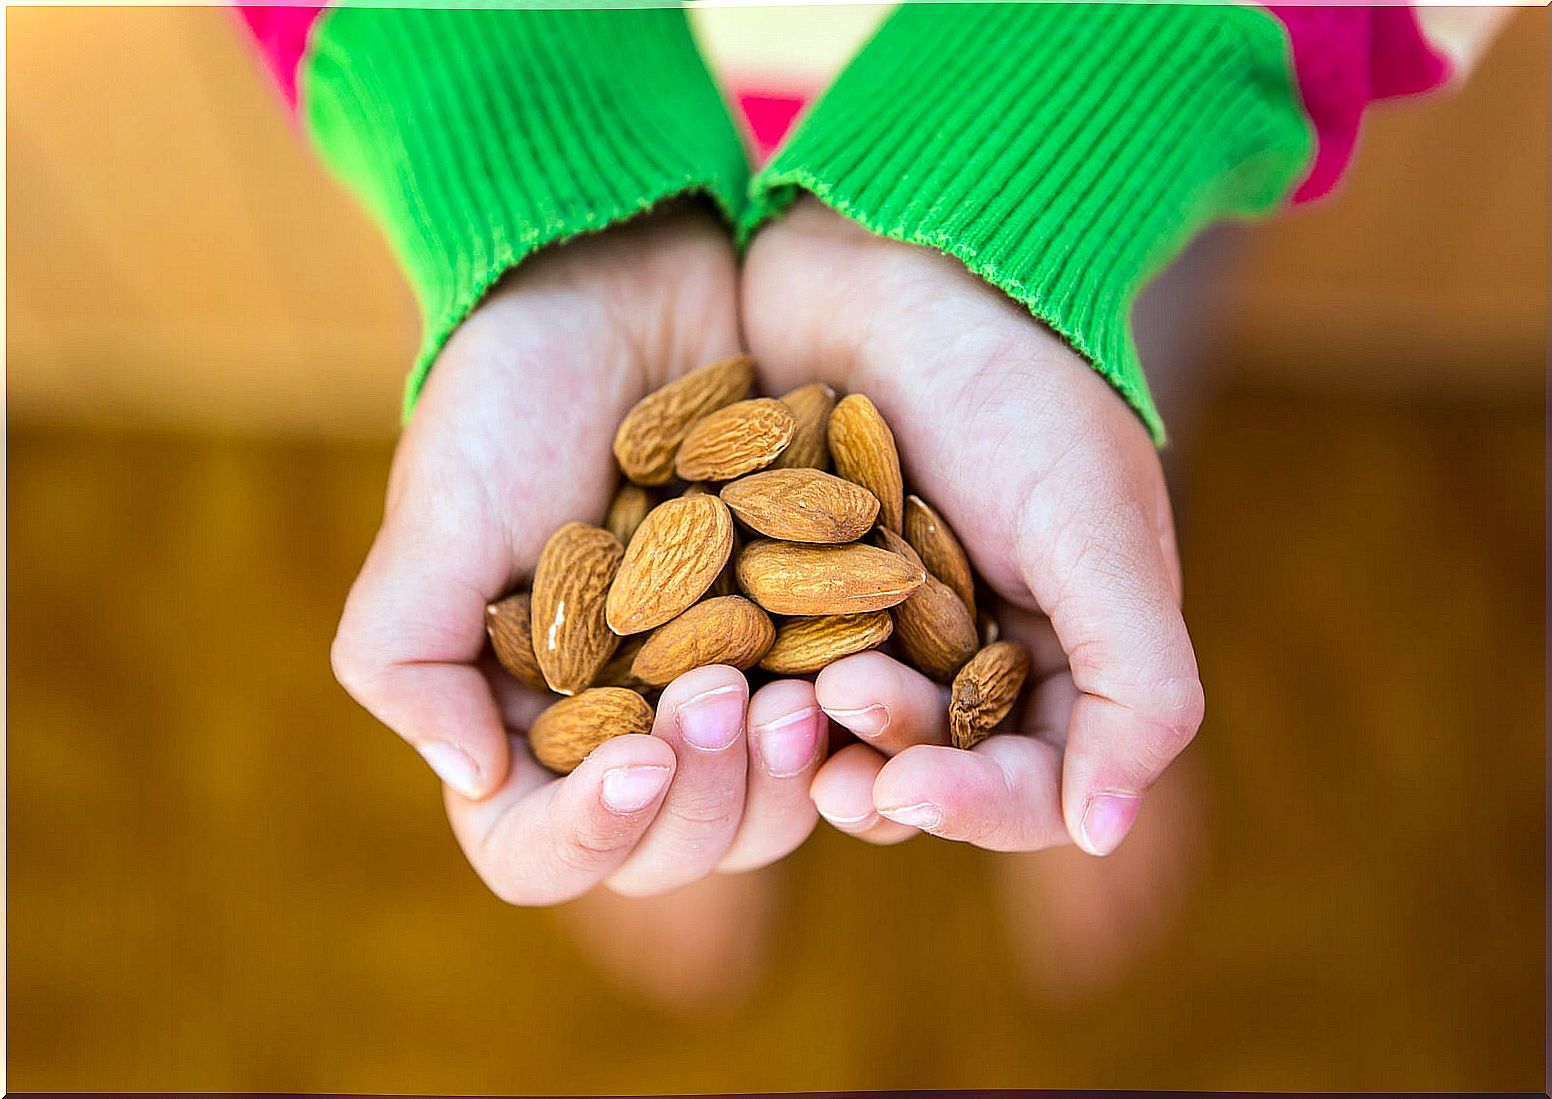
224,876
176,255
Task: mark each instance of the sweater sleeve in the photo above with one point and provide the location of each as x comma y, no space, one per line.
476,137
1065,153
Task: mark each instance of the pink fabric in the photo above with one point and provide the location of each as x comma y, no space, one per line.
769,117
281,34
1346,58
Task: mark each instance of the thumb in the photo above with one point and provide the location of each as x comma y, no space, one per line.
1112,600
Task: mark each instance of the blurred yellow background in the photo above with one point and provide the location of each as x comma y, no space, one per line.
225,876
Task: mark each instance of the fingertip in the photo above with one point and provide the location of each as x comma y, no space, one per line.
705,708
1107,819
925,786
786,727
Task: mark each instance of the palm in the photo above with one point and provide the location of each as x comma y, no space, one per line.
1047,477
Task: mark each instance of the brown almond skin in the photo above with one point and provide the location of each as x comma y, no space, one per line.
935,631
802,505
674,557
626,511
810,406
805,645
863,449
617,673
726,630
739,439
565,734
571,637
649,436
933,628
790,578
509,622
940,550
984,691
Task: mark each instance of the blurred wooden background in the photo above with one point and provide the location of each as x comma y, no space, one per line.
225,876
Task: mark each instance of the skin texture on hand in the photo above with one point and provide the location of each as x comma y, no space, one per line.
1053,486
511,439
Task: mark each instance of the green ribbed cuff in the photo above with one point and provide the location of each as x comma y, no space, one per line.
476,137
1062,152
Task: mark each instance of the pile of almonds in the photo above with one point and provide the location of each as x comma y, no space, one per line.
759,560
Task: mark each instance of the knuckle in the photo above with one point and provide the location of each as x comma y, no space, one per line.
1175,714
353,669
708,809
588,852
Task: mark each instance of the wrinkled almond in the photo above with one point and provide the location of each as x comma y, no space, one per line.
863,449
510,625
617,673
725,630
805,645
674,557
649,436
571,583
810,406
933,628
935,631
626,511
743,437
802,505
565,734
934,540
984,691
790,578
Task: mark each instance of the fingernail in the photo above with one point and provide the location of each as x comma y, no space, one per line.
852,824
1107,820
632,789
787,744
869,721
453,766
711,721
923,815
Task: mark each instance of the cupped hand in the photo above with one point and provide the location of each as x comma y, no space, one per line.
511,439
1053,486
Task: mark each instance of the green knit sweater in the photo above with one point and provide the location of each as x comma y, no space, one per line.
1062,152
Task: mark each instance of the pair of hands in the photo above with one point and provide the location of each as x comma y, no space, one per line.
1046,475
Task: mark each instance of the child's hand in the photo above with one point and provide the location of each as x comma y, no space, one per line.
511,438
1053,486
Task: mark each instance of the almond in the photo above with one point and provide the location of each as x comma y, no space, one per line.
989,627
802,505
626,511
984,691
510,625
565,734
933,627
810,406
805,645
617,673
935,631
863,449
789,578
743,437
674,557
939,549
571,585
649,436
726,630
726,582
